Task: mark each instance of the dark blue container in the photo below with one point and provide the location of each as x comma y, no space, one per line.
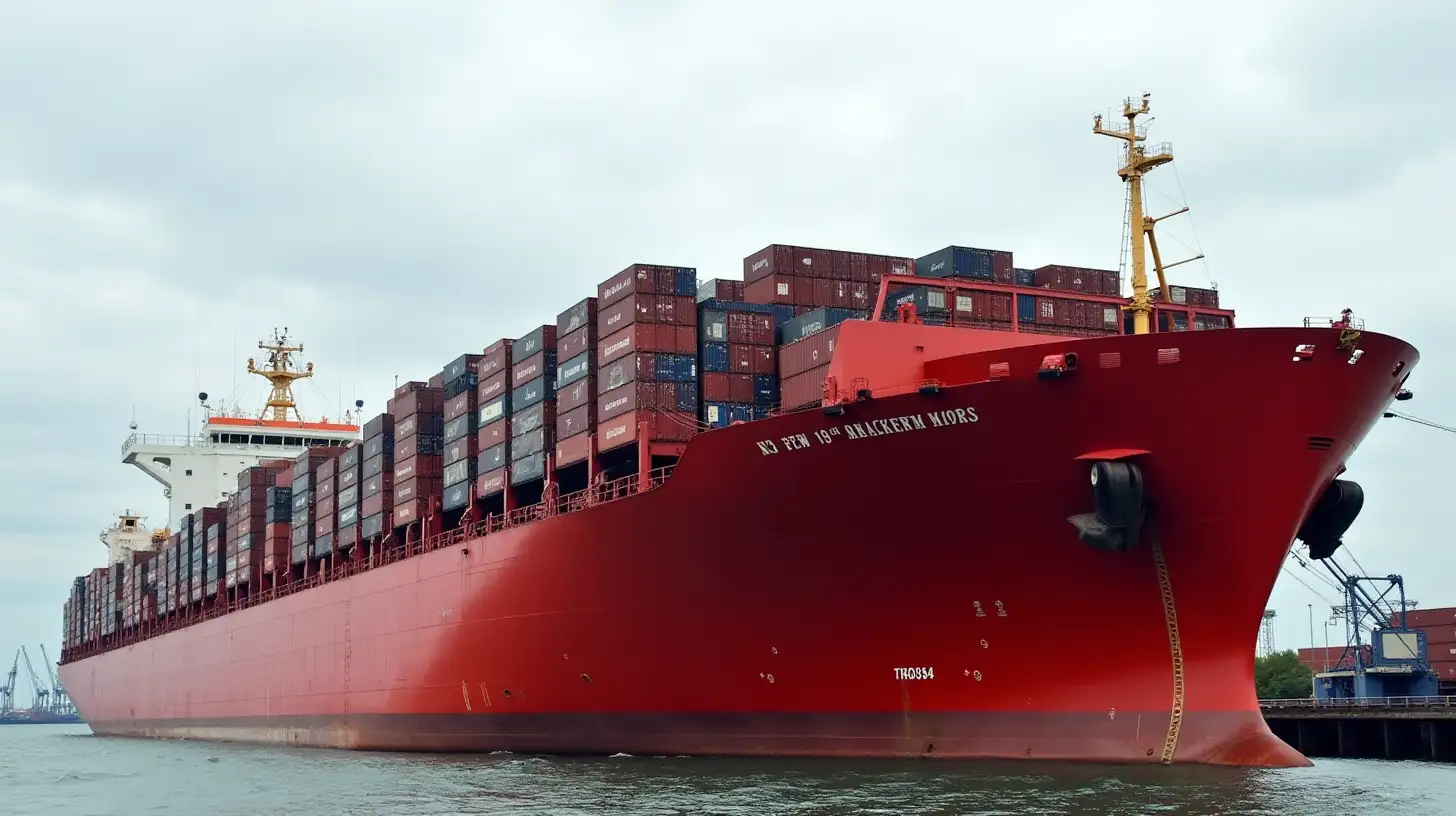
1024,277
457,472
372,526
323,545
574,369
531,442
301,501
459,385
384,444
348,516
425,445
529,394
686,396
765,389
723,414
1026,308
456,496
528,419
532,467
811,323
956,262
716,305
459,367
491,458
685,282
895,297
493,410
459,427
712,326
715,358
300,552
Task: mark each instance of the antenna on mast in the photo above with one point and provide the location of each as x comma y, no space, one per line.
281,374
1137,161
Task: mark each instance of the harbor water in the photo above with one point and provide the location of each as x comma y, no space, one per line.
66,771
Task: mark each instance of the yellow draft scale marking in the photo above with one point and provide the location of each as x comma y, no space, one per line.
1175,643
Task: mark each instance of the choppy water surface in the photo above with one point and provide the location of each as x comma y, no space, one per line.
64,771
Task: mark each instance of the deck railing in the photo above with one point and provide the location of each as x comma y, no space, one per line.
1446,701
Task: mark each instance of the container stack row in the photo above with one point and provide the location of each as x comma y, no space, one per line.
647,362
247,528
208,527
278,530
325,505
419,421
736,350
136,589
1439,626
377,495
461,381
110,592
533,404
493,418
808,278
346,502
575,390
305,501
804,357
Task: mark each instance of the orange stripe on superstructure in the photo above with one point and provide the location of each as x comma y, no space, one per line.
248,422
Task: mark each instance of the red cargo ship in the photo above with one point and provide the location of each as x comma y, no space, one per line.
907,568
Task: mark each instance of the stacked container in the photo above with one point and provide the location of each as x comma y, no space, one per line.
304,503
493,417
208,527
279,519
377,495
533,404
647,367
576,382
418,447
461,379
721,289
804,359
325,485
808,279
967,262
736,350
1079,279
346,503
248,511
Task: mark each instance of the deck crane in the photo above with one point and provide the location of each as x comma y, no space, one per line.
7,691
41,700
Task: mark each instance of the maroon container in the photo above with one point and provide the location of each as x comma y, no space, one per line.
1422,618
489,484
630,397
579,393
814,351
575,449
489,389
861,296
804,389
493,434
461,403
375,504
528,369
583,419
409,512
425,466
740,388
750,328
777,288
497,358
661,427
324,506
323,526
582,340
462,448
422,401
721,289
417,488
412,385
632,368
645,337
635,279
437,381
715,386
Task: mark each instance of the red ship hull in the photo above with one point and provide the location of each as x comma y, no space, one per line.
834,585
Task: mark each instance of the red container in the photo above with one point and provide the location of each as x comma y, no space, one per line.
437,381
528,369
1001,267
323,525
374,504
740,388
409,512
776,288
1446,670
643,337
635,279
716,386
421,487
661,427
489,389
804,389
459,404
580,420
582,340
750,328
750,359
422,401
814,351
493,434
582,392
425,466
1440,634
631,397
496,358
573,449
489,484
721,289
632,368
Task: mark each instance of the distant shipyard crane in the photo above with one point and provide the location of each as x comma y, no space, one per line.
1266,634
42,699
7,691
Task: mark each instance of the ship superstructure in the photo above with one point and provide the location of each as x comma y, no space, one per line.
201,469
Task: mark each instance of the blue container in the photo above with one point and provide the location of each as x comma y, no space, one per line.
1024,277
525,470
715,358
574,369
494,410
459,427
956,262
528,419
685,397
675,368
895,297
712,326
528,394
491,458
685,283
1026,308
457,472
723,414
717,305
461,384
811,323
765,390
456,496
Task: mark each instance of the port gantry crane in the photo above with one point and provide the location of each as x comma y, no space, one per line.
7,691
60,703
42,700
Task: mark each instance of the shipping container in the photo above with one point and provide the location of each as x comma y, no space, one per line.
647,337
542,414
579,393
578,420
528,469
495,359
803,389
410,511
379,426
458,427
530,394
456,406
457,472
573,370
494,411
489,484
538,365
966,262
462,448
539,339
720,289
417,488
492,458
573,449
532,442
418,425
426,401
660,426
577,316
461,366
649,279
419,466
493,434
493,387
814,351
376,503
456,496
581,341
372,526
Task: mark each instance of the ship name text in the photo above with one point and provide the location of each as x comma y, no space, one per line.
888,426
916,673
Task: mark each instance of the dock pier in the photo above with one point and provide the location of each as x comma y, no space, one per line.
1421,728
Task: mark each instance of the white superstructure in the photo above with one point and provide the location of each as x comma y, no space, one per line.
125,536
201,470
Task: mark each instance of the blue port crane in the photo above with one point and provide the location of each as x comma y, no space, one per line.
7,691
1395,665
41,692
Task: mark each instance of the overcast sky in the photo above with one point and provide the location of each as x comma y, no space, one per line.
402,186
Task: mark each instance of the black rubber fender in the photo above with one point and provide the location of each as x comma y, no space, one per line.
1331,517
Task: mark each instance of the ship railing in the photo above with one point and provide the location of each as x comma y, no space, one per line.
1441,701
1329,322
624,487
170,440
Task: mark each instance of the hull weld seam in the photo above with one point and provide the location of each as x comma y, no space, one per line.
1175,645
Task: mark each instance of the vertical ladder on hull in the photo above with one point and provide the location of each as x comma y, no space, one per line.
1175,645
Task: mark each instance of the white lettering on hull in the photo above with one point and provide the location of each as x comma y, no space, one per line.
870,429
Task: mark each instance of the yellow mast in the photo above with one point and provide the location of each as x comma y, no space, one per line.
1137,161
281,374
